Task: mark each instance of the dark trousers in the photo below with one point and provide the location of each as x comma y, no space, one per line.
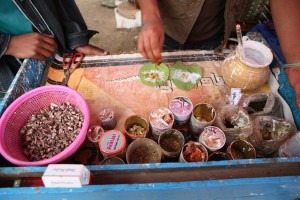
209,44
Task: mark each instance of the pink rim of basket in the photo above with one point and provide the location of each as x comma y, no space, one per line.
65,153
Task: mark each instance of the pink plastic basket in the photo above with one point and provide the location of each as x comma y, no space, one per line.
17,114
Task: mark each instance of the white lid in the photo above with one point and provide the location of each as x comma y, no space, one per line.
112,142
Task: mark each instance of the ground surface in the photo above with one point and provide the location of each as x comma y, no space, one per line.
102,19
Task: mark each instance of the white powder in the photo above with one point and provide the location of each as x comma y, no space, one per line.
185,76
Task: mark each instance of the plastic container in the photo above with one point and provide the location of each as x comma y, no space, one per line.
143,150
171,143
203,115
113,143
94,133
16,115
291,147
136,126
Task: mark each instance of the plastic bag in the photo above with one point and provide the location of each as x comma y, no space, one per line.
269,133
263,104
235,122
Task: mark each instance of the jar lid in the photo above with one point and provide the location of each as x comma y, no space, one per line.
112,142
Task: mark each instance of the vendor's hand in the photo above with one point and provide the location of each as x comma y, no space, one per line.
150,41
91,50
32,45
293,74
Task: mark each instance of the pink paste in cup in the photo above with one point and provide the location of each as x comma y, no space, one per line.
181,106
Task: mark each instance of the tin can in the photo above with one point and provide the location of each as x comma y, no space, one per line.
241,149
203,115
171,143
143,150
161,119
107,119
182,108
193,152
212,138
113,143
218,155
113,160
136,126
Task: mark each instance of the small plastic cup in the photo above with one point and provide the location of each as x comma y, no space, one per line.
182,108
161,119
143,150
212,138
241,149
203,115
171,143
136,126
193,152
107,119
94,133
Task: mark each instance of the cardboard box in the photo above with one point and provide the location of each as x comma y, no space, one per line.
66,176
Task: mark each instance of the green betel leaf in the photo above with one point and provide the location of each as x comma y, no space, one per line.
185,77
154,75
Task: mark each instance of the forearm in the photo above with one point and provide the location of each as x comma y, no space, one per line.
286,17
149,10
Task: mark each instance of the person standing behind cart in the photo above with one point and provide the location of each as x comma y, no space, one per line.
37,29
170,24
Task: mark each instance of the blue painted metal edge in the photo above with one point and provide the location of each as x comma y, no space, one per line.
291,183
134,167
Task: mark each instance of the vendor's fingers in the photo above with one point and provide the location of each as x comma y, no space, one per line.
156,49
40,53
141,46
148,49
48,46
50,41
